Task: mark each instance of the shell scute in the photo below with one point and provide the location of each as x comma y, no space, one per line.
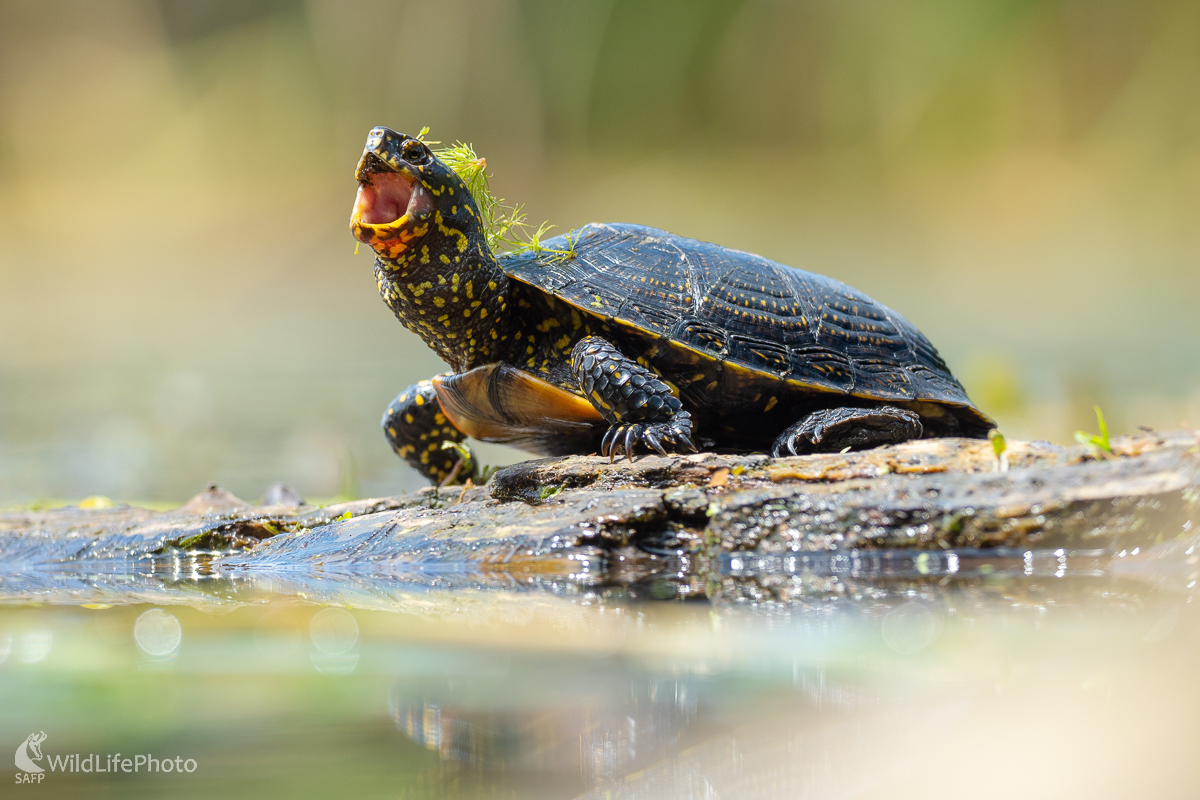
701,336
761,355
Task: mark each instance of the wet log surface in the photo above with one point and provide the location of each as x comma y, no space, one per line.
693,518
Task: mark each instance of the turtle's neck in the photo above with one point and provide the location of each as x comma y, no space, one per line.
446,287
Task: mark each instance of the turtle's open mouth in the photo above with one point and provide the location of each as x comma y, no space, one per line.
383,197
387,199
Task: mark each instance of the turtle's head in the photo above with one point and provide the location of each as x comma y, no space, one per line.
433,265
408,199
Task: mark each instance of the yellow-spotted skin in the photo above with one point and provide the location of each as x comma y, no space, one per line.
417,429
743,345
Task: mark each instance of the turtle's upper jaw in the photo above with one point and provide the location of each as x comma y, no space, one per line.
391,202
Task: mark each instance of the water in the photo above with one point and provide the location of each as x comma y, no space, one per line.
992,680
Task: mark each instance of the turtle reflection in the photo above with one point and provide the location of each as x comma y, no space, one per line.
598,742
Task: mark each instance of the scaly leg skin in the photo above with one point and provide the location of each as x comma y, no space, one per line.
832,430
416,428
637,404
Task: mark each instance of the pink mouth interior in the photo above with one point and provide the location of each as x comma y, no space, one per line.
384,198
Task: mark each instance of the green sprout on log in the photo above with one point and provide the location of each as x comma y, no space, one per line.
465,460
1000,448
504,225
1094,441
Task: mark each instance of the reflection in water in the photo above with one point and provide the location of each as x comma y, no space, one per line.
804,757
599,741
837,679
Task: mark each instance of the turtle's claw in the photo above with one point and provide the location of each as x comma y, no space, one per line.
632,435
785,445
623,438
681,430
606,444
650,438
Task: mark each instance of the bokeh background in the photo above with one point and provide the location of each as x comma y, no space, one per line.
180,298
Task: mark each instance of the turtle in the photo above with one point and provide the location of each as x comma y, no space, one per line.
616,338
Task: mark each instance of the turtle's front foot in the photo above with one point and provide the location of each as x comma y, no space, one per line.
833,429
626,435
640,406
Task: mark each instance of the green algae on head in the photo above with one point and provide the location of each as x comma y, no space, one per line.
504,225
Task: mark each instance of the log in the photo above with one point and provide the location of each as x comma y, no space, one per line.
697,518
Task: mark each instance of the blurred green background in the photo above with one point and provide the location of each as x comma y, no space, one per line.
181,302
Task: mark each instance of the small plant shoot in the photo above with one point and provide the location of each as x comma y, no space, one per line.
1096,441
1000,448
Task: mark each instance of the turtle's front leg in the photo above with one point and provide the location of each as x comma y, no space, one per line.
416,428
637,403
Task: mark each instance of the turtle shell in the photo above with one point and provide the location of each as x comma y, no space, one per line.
745,310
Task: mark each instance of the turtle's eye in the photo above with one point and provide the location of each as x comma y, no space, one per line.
414,152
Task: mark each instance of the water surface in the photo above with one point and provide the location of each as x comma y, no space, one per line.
1040,677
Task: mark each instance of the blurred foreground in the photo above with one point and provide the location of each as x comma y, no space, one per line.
1021,180
1073,685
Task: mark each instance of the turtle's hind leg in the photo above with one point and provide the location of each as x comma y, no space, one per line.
638,405
416,428
831,430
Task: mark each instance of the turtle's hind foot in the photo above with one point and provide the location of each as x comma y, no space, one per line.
832,430
419,432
